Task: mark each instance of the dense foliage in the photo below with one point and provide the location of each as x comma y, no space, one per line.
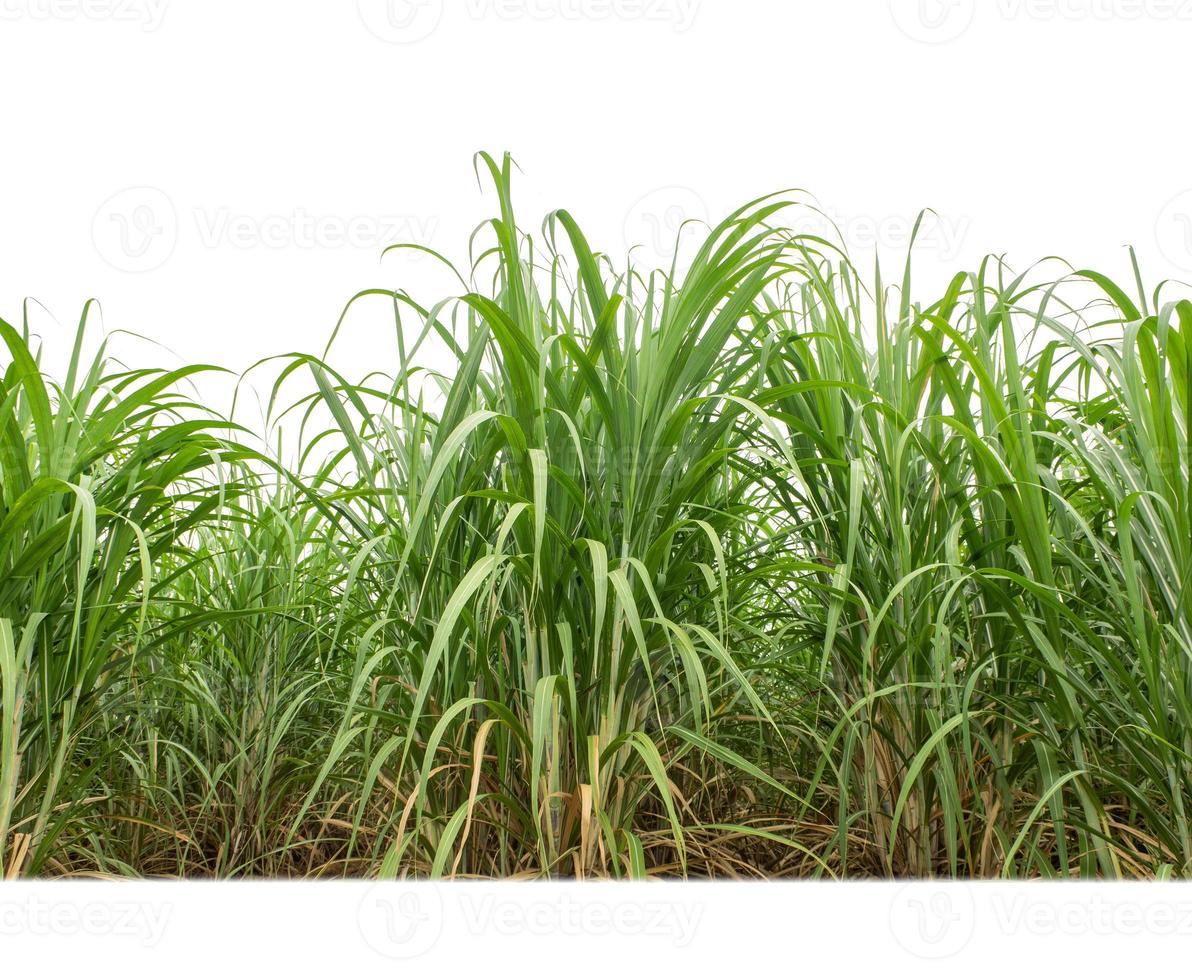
758,568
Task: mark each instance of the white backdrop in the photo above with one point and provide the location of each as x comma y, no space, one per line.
600,930
223,174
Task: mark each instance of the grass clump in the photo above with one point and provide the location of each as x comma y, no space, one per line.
757,568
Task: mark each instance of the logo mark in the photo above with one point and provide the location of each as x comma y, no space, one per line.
932,921
933,21
401,21
1173,230
401,920
136,229
662,223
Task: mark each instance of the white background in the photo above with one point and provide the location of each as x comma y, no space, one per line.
222,175
611,930
273,147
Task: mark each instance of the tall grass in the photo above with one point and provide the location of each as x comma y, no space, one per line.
753,567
